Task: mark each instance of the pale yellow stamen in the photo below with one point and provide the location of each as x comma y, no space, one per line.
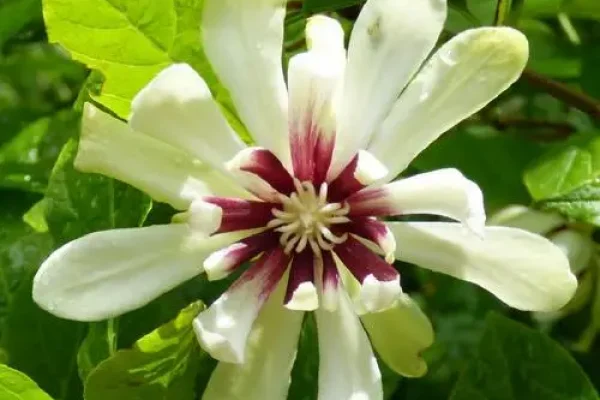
306,219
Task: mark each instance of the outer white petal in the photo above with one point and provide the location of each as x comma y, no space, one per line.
105,274
400,334
177,107
389,42
347,366
524,270
461,78
443,192
108,146
223,329
270,354
522,217
243,41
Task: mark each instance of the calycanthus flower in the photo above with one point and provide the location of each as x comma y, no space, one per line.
306,205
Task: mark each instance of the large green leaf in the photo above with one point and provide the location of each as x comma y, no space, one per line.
565,167
43,346
15,385
495,162
129,42
162,365
517,363
15,15
78,203
99,344
21,248
27,160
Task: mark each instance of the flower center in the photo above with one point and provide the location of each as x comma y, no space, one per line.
306,219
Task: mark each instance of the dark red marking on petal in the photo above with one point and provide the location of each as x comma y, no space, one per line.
345,184
269,168
303,140
312,151
239,214
248,248
323,155
302,270
362,262
269,268
371,202
368,228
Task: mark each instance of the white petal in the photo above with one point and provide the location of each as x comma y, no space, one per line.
243,41
443,192
522,217
399,335
314,82
270,354
177,107
524,270
347,366
389,42
105,274
109,147
462,77
223,328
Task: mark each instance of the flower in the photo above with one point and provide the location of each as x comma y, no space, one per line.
306,203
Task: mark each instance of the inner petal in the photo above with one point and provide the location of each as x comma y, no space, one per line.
314,80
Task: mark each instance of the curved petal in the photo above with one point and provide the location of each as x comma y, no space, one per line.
524,270
177,107
347,366
244,41
108,146
270,355
389,42
399,335
105,274
223,328
379,281
314,81
462,77
443,192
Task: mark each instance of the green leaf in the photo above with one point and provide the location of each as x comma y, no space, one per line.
43,346
129,42
315,6
515,362
15,15
162,365
565,168
26,161
15,385
582,204
483,157
99,344
21,249
78,203
483,10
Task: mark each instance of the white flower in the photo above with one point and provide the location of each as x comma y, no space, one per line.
306,203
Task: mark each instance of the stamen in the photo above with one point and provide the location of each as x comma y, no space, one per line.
306,218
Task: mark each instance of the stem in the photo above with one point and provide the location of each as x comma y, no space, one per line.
573,97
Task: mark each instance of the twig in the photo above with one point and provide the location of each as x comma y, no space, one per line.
573,97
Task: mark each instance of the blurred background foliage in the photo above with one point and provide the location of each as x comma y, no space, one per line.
537,145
